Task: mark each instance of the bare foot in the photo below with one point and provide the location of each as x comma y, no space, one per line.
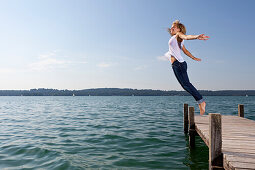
202,108
199,105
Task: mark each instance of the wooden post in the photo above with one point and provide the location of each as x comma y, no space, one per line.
185,118
215,142
192,131
241,110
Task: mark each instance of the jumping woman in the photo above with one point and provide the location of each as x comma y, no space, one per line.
176,44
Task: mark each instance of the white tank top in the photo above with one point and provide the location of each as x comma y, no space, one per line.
175,49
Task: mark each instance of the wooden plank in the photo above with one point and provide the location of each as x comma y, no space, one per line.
244,131
240,137
239,120
248,126
215,141
239,128
252,146
237,141
192,130
236,135
235,146
240,110
242,165
185,118
203,137
239,158
236,150
245,155
191,118
248,132
238,147
240,133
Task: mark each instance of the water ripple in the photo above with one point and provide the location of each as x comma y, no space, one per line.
103,132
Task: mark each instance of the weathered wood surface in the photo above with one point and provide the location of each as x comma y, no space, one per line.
241,110
185,118
238,140
215,144
192,131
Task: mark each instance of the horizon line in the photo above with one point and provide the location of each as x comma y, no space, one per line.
119,88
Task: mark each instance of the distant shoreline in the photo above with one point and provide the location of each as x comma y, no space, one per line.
120,92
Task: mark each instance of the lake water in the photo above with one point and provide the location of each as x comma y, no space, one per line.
104,132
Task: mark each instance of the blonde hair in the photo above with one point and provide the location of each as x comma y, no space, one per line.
179,25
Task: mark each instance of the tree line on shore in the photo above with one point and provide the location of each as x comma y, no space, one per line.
120,92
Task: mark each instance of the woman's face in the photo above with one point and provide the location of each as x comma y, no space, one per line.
174,29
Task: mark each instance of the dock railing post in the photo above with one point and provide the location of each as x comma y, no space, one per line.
192,131
215,141
240,110
185,118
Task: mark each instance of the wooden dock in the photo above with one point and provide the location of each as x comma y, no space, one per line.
230,139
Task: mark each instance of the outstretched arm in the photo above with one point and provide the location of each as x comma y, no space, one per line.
189,54
192,37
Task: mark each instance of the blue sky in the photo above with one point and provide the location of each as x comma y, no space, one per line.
84,44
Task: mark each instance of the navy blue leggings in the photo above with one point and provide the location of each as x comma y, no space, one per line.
180,71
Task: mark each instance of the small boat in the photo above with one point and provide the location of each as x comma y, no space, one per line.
246,95
73,95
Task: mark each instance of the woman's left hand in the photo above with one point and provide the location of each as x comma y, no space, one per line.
203,37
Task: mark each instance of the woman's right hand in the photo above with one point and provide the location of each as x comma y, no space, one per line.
197,59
